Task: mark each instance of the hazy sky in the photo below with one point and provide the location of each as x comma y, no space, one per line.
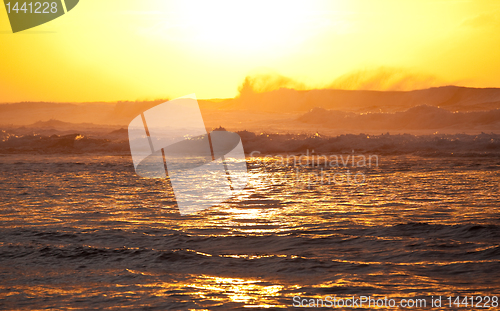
127,50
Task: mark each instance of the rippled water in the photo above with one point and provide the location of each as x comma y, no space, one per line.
85,232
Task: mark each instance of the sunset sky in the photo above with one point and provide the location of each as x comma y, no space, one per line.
127,50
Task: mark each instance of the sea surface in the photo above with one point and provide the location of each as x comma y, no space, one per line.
84,232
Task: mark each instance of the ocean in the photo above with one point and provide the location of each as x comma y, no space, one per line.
84,232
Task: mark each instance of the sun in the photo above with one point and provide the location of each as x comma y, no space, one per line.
241,25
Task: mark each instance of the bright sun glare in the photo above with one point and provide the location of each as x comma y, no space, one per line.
243,25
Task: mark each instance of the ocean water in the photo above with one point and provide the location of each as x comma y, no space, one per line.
85,232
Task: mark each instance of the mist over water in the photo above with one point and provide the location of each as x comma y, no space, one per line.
416,118
373,79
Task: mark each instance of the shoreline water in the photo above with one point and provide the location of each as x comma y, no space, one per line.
84,231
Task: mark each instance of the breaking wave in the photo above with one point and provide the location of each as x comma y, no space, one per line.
116,142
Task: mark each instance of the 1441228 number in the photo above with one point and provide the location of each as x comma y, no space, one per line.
473,302
30,7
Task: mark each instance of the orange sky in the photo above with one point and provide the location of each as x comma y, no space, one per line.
126,50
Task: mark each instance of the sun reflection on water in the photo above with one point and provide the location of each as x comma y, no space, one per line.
245,291
94,232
